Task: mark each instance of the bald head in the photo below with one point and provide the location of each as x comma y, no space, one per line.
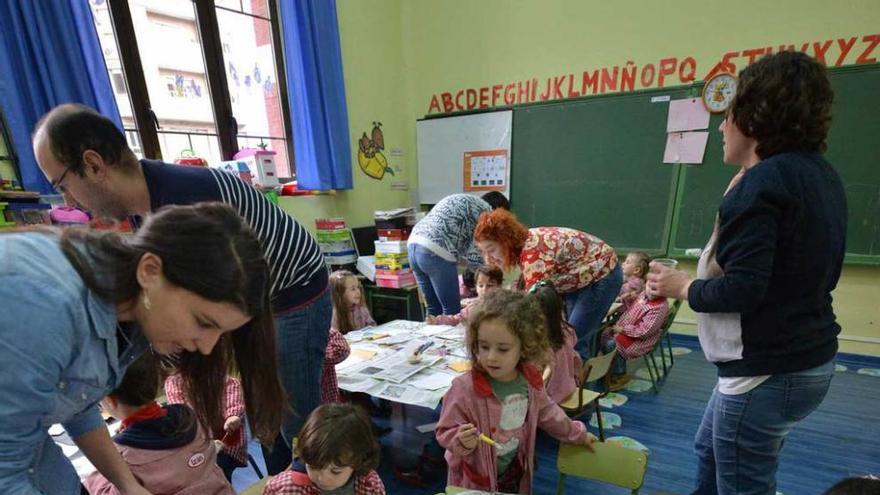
69,130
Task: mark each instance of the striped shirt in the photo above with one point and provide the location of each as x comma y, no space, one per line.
295,260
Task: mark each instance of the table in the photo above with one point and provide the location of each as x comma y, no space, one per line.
408,297
378,366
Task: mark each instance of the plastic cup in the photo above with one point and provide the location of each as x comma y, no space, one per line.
667,262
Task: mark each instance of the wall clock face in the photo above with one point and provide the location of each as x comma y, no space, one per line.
718,92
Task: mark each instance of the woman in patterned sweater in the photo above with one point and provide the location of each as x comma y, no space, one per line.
582,267
441,240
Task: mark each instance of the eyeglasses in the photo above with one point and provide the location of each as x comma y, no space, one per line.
56,184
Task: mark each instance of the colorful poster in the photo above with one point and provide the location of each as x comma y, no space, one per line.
485,170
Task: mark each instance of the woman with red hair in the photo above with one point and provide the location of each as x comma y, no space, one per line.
582,267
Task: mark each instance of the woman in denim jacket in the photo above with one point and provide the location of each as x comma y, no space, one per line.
80,306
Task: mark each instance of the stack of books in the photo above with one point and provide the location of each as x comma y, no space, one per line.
336,241
392,263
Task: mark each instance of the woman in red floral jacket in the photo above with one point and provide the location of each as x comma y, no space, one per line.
582,267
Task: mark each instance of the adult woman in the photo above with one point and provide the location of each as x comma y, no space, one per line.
442,239
80,306
582,267
763,293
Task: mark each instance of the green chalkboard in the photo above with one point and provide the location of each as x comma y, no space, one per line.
853,149
597,165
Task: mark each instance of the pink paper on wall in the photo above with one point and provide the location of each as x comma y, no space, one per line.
686,115
685,147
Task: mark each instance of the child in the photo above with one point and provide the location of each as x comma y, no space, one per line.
488,278
229,436
336,452
866,485
467,284
635,333
490,415
349,314
349,311
165,447
564,362
635,269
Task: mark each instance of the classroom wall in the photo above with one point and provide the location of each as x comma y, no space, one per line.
371,41
398,55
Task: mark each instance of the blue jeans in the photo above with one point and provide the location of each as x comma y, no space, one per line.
741,436
302,335
586,308
437,279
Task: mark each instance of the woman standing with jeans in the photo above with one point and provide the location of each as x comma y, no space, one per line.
582,267
441,240
764,281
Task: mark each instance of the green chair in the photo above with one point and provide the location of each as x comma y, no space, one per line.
256,488
650,360
609,463
583,399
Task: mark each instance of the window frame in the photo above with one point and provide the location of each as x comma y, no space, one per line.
146,121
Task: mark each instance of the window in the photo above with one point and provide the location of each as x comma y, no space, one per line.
8,168
200,76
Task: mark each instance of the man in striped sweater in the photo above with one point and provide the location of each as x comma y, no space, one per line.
88,161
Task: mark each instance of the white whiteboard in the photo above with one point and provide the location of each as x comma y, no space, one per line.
443,142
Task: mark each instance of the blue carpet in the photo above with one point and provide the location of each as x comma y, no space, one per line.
839,440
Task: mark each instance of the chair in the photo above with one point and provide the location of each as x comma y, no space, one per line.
650,361
580,400
256,488
608,463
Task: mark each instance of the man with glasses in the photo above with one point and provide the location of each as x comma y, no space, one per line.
87,160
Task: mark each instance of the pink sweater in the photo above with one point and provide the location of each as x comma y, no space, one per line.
470,400
186,470
566,364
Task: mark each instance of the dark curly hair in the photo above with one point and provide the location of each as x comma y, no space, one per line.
521,315
783,101
502,227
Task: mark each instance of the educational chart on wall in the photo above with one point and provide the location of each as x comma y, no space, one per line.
468,153
485,170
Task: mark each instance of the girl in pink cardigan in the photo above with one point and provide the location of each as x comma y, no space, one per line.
490,415
564,363
349,314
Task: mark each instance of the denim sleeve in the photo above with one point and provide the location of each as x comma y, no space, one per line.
84,422
35,344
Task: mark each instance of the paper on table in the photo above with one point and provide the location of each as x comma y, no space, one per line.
430,330
364,354
460,365
685,147
453,333
432,380
400,371
686,115
394,339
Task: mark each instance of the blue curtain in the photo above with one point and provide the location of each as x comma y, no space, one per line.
317,94
49,54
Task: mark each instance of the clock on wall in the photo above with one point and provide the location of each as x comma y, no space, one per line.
718,92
